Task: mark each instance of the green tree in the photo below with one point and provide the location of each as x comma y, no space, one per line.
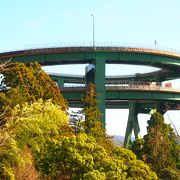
28,83
26,133
38,135
92,113
80,157
159,148
92,124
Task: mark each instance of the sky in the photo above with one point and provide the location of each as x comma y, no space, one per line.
49,23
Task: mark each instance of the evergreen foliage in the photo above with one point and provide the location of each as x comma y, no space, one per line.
159,148
28,83
28,129
36,141
92,124
88,120
80,157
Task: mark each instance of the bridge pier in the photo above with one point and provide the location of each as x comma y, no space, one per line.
101,86
90,74
60,82
158,78
95,73
132,124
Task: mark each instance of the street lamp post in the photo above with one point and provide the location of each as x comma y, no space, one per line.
93,31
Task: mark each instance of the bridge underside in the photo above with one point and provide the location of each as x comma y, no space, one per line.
132,97
136,101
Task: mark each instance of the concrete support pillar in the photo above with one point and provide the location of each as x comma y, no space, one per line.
132,124
90,74
100,86
60,82
158,78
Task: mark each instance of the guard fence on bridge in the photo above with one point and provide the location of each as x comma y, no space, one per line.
142,86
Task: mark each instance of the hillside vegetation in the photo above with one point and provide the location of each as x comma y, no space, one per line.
38,141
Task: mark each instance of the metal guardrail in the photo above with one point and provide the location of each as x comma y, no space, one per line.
111,48
66,75
139,87
99,45
143,87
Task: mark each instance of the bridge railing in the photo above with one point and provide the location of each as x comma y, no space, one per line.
142,87
101,44
128,86
121,48
149,48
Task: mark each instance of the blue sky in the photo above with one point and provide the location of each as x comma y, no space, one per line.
41,23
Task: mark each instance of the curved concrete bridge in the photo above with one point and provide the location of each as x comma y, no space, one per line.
113,92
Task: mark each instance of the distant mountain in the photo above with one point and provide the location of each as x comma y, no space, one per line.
118,140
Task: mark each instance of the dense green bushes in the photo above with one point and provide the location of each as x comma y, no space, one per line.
159,148
80,157
29,127
38,137
37,142
27,83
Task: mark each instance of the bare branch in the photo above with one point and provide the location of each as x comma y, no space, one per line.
5,110
4,64
173,125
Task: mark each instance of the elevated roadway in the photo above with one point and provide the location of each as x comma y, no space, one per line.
113,91
117,96
138,77
112,55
